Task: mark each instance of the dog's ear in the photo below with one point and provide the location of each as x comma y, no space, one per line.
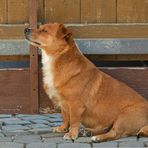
64,33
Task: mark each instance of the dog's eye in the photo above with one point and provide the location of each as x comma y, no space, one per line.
44,30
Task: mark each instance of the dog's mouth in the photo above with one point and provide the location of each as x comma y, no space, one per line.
33,42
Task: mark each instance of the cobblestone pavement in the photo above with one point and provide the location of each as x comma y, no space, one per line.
35,131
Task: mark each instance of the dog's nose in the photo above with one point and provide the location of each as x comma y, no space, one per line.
27,30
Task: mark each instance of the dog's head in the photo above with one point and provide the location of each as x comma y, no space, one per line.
51,36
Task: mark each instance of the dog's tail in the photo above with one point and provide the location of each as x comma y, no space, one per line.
143,131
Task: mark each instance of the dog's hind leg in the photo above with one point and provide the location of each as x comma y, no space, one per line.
143,131
125,125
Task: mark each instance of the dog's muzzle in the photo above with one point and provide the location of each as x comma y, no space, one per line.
27,32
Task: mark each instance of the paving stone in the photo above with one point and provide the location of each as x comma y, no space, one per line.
133,138
5,139
11,145
39,121
38,126
55,120
83,140
143,139
24,115
1,135
74,145
55,115
54,139
41,145
14,127
51,135
105,144
53,124
16,132
35,117
27,139
40,130
131,144
5,116
146,144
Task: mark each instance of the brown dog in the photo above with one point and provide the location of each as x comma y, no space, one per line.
85,94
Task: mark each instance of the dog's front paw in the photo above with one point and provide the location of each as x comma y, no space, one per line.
71,136
59,129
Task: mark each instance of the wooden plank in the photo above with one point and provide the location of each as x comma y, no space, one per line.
14,91
132,11
136,78
110,31
94,11
125,57
3,11
33,60
18,11
86,31
40,10
65,11
12,31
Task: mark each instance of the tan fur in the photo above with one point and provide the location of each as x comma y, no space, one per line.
87,95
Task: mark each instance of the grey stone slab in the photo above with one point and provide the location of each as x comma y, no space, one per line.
113,46
54,115
74,145
5,139
1,135
55,140
11,145
105,144
83,140
58,119
40,121
133,138
38,126
87,46
146,144
143,139
16,132
14,47
14,127
13,122
53,124
5,116
131,144
27,139
35,117
51,135
40,130
41,145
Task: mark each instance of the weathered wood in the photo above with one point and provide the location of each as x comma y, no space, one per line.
125,57
133,77
3,11
15,87
40,10
18,11
94,11
120,57
136,78
86,31
135,11
34,96
14,91
65,11
12,31
110,31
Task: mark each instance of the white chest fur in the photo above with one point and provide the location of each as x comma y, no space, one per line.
48,78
